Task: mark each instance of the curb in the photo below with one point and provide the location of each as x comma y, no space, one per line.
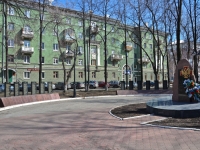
167,127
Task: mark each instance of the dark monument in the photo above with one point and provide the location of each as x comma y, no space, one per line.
183,71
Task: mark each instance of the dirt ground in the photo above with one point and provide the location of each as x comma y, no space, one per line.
140,109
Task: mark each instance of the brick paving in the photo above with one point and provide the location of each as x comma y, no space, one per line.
85,124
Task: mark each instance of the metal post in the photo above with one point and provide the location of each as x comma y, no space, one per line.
3,35
85,74
74,94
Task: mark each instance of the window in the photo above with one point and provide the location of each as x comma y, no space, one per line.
113,40
68,20
106,74
43,31
27,43
27,29
80,23
68,47
11,11
42,46
68,74
80,62
10,26
93,37
55,74
55,47
10,43
145,35
103,27
68,61
113,74
55,60
93,74
80,50
42,16
26,59
145,45
112,29
42,75
80,74
93,62
26,75
150,45
54,32
80,35
135,66
150,36
42,61
10,58
27,13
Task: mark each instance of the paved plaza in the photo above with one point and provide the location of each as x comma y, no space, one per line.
85,124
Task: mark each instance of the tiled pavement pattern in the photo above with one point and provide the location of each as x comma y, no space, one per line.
85,124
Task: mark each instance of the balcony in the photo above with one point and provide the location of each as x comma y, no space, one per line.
129,46
68,54
27,50
94,30
144,60
69,39
27,34
116,57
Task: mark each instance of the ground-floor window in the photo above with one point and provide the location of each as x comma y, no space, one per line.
113,74
80,74
68,74
93,74
93,62
26,75
43,75
55,74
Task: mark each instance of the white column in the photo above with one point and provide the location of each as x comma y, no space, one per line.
98,55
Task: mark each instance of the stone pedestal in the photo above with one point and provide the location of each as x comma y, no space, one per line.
178,89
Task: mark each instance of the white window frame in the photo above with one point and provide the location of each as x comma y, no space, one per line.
42,16
80,62
26,59
27,13
80,35
68,47
43,75
80,49
11,11
26,74
27,43
150,46
42,60
11,26
55,47
80,23
68,20
43,31
11,43
55,60
43,46
68,61
112,29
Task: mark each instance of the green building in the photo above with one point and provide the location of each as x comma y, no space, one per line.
23,30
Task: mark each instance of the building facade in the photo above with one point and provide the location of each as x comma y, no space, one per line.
62,39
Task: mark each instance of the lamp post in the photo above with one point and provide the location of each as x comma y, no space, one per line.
74,93
75,54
